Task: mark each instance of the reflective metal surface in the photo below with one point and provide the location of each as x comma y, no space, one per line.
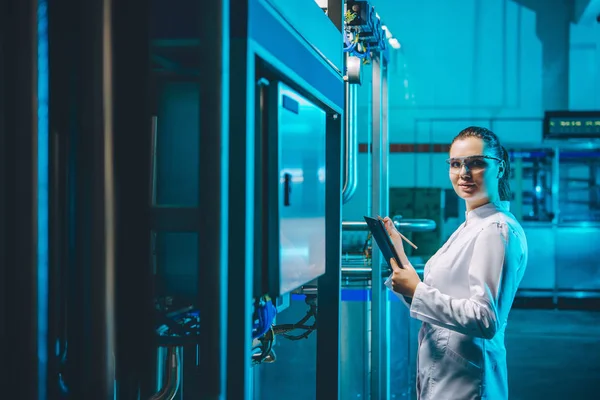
301,189
379,358
539,274
577,258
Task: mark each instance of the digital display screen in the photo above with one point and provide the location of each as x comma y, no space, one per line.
572,124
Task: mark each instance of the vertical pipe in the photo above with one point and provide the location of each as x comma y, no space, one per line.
213,181
18,188
92,224
43,190
3,192
329,284
98,135
385,151
557,217
350,142
377,292
135,341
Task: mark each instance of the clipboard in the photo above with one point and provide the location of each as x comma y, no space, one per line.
383,240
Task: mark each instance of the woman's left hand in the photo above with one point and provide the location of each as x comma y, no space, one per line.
404,280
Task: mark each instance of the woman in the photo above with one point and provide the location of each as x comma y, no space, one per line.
469,285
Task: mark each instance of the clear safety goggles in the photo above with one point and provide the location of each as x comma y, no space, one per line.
474,164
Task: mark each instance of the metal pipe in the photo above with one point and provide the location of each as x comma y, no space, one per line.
153,166
172,377
379,194
404,225
350,143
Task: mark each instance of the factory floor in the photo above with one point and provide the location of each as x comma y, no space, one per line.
553,354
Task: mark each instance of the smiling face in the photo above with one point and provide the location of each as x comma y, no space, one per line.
474,178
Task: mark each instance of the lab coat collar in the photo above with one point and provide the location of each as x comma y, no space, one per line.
486,210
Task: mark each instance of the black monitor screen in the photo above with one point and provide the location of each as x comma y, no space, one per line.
572,125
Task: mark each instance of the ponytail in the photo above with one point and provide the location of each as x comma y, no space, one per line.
504,182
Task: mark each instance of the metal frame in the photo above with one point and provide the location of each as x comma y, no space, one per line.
136,341
240,281
311,81
379,206
214,183
18,188
92,265
230,196
329,284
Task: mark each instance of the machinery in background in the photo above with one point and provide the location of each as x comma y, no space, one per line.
283,232
556,189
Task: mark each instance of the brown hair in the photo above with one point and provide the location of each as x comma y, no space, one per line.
493,144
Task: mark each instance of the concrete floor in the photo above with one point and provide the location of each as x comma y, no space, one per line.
553,354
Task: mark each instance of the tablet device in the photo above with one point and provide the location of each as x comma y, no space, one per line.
383,240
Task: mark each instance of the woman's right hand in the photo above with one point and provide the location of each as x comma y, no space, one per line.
396,239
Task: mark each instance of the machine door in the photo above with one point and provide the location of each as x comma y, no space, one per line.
301,203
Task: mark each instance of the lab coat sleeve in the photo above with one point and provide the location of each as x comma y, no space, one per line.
403,299
478,315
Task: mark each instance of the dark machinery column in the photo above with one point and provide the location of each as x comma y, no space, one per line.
213,212
81,110
135,338
18,189
330,284
243,218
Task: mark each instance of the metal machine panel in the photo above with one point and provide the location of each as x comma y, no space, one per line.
277,45
578,267
301,139
320,33
540,271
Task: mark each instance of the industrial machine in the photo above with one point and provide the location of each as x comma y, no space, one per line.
193,161
555,189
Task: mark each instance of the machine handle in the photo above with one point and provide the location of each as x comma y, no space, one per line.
287,188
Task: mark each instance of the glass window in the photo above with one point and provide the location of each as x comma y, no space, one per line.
177,148
579,186
176,265
531,184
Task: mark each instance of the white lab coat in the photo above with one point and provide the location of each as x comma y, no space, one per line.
468,289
